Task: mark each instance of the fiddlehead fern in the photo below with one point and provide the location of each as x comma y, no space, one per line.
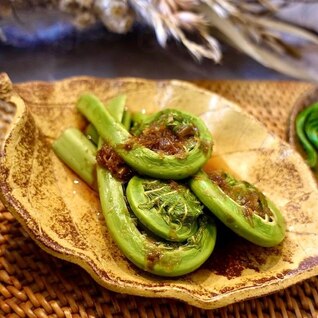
180,216
306,132
311,128
152,255
78,153
144,160
159,224
241,207
167,208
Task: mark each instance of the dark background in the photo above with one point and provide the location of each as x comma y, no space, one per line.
123,57
44,45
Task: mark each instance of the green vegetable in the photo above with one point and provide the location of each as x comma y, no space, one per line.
159,225
92,134
126,121
166,208
142,159
147,252
154,256
138,117
265,227
311,128
77,152
116,107
303,138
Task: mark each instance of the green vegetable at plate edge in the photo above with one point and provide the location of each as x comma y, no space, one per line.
264,231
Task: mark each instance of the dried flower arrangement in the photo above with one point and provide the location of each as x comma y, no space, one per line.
251,26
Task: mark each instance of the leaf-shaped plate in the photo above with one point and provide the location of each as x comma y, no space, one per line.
64,217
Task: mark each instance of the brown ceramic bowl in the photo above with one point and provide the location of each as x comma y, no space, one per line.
64,217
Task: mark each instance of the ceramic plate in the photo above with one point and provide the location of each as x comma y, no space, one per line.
64,217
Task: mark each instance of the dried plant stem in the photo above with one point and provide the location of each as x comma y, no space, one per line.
249,25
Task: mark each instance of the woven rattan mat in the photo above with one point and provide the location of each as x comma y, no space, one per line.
35,284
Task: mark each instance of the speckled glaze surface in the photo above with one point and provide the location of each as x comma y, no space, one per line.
64,217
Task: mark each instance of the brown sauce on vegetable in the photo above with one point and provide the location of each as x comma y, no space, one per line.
108,158
217,163
162,139
244,194
153,257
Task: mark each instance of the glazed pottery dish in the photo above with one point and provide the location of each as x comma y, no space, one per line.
64,217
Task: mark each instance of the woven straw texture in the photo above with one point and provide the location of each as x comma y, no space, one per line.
35,284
